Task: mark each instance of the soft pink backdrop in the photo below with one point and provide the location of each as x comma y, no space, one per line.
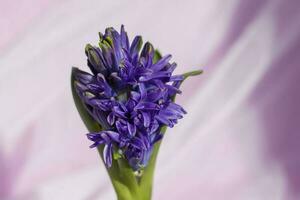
240,139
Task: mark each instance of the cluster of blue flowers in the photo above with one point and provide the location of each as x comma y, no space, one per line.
129,93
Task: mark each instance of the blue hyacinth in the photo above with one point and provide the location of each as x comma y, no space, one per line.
130,93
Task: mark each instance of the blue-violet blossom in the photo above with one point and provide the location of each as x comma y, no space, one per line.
130,94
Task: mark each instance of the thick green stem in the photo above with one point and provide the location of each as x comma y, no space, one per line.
130,187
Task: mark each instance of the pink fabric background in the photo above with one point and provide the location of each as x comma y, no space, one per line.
240,139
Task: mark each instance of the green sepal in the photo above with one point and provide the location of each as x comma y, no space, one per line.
157,56
117,154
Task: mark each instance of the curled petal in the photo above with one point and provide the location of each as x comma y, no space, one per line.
176,78
147,106
143,91
111,118
96,138
114,136
124,38
161,63
137,143
163,120
95,59
136,45
131,129
107,154
146,119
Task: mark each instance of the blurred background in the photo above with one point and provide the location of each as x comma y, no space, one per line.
240,139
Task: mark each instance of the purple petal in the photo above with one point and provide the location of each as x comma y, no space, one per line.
107,154
131,128
143,90
136,46
147,106
154,126
176,78
118,112
159,65
157,75
173,90
137,143
146,119
99,103
154,96
135,96
83,77
96,138
177,108
124,38
163,120
114,136
156,137
111,118
120,126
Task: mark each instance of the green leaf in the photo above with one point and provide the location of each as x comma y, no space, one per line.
122,177
192,73
87,119
187,75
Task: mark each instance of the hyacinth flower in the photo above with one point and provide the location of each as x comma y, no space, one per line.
126,103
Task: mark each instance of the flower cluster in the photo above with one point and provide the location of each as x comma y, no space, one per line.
129,93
